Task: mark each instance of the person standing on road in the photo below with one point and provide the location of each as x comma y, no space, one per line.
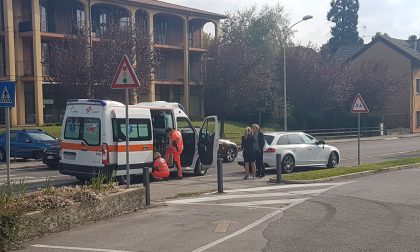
160,168
175,148
248,152
259,149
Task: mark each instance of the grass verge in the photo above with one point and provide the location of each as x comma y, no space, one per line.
328,173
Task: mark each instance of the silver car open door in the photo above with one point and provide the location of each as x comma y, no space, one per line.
208,141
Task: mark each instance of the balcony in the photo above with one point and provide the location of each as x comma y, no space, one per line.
25,68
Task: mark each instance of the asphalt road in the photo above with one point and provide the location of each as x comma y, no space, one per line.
374,213
372,151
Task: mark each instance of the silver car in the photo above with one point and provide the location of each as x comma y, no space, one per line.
297,149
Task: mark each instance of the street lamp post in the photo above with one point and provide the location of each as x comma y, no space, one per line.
284,68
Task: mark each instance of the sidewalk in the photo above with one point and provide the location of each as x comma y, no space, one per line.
193,186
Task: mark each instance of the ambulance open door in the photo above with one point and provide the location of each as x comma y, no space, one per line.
208,142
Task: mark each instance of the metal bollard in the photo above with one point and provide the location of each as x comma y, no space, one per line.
146,184
219,176
278,168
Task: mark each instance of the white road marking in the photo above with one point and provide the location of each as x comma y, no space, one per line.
245,196
223,226
263,219
77,248
381,155
266,202
29,180
240,231
266,188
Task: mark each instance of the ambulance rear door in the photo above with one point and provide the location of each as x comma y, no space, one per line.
208,141
81,137
140,138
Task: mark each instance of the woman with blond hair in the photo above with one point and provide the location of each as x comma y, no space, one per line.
248,152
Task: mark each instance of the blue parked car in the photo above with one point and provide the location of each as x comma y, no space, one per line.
26,144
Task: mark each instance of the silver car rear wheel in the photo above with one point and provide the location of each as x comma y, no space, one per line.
230,154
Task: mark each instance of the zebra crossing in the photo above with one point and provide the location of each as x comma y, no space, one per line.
274,197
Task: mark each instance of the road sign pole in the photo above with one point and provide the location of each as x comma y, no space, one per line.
127,139
358,138
7,118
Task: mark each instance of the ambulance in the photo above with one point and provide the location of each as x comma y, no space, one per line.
93,138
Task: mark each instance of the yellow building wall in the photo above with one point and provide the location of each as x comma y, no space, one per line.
416,101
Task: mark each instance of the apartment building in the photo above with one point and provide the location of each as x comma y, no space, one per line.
28,26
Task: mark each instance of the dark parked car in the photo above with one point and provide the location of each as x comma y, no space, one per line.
26,144
51,155
227,150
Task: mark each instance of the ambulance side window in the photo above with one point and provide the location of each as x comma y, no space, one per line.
91,133
72,128
139,130
83,128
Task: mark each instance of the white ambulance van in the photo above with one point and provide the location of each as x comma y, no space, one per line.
93,139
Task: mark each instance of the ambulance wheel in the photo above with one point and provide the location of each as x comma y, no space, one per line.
82,180
199,170
122,180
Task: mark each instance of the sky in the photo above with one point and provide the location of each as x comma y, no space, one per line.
398,18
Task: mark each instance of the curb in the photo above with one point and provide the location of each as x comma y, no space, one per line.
347,176
24,167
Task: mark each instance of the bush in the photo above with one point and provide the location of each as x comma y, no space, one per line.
8,230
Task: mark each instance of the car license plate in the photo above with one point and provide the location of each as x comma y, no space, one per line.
70,156
50,157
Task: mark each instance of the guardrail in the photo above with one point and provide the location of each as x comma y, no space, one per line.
327,134
324,134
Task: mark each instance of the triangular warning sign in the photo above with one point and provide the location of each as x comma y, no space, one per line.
5,96
125,76
359,105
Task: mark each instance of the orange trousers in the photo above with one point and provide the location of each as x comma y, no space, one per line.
177,162
159,175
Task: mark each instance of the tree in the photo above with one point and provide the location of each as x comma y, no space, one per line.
92,62
380,34
315,86
377,82
239,73
344,14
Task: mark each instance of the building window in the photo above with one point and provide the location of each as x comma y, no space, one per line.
161,27
1,16
125,22
2,59
418,119
79,18
106,17
191,36
45,51
47,16
417,86
163,70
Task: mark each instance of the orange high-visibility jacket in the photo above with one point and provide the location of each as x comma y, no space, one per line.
175,141
161,166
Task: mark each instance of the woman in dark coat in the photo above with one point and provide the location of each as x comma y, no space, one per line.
247,145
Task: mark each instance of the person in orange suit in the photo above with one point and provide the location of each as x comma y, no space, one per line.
175,148
160,168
